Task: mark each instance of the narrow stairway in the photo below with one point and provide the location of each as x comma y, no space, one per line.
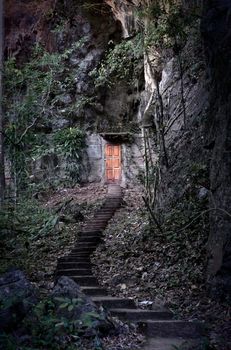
161,329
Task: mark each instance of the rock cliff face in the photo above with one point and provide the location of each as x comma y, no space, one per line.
196,104
182,102
27,22
216,32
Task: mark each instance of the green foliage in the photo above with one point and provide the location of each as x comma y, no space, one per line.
69,140
29,99
167,24
60,27
69,143
199,174
7,341
119,65
29,217
25,225
10,301
33,235
48,327
83,102
68,303
96,7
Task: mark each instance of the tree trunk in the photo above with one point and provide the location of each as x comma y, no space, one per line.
2,167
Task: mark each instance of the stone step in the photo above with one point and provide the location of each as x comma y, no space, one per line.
91,230
105,214
71,259
87,233
111,205
81,253
89,239
115,201
72,272
98,227
94,291
85,245
102,228
159,343
96,223
80,258
105,210
86,250
94,227
73,265
171,328
87,280
140,315
100,222
77,259
102,219
110,302
102,216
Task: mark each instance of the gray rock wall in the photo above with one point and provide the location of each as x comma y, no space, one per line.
216,32
197,126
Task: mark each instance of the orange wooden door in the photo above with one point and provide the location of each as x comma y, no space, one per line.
113,163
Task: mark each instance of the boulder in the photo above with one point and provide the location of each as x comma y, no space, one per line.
17,297
91,319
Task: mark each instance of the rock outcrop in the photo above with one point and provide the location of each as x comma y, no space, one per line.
30,320
17,297
196,106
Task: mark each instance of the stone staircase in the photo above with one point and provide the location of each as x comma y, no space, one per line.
163,332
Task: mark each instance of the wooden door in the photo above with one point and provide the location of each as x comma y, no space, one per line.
113,162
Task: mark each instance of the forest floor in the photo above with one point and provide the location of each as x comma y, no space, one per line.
136,261
42,230
37,232
133,261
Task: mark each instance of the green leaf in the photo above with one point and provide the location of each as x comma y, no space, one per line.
63,306
70,307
